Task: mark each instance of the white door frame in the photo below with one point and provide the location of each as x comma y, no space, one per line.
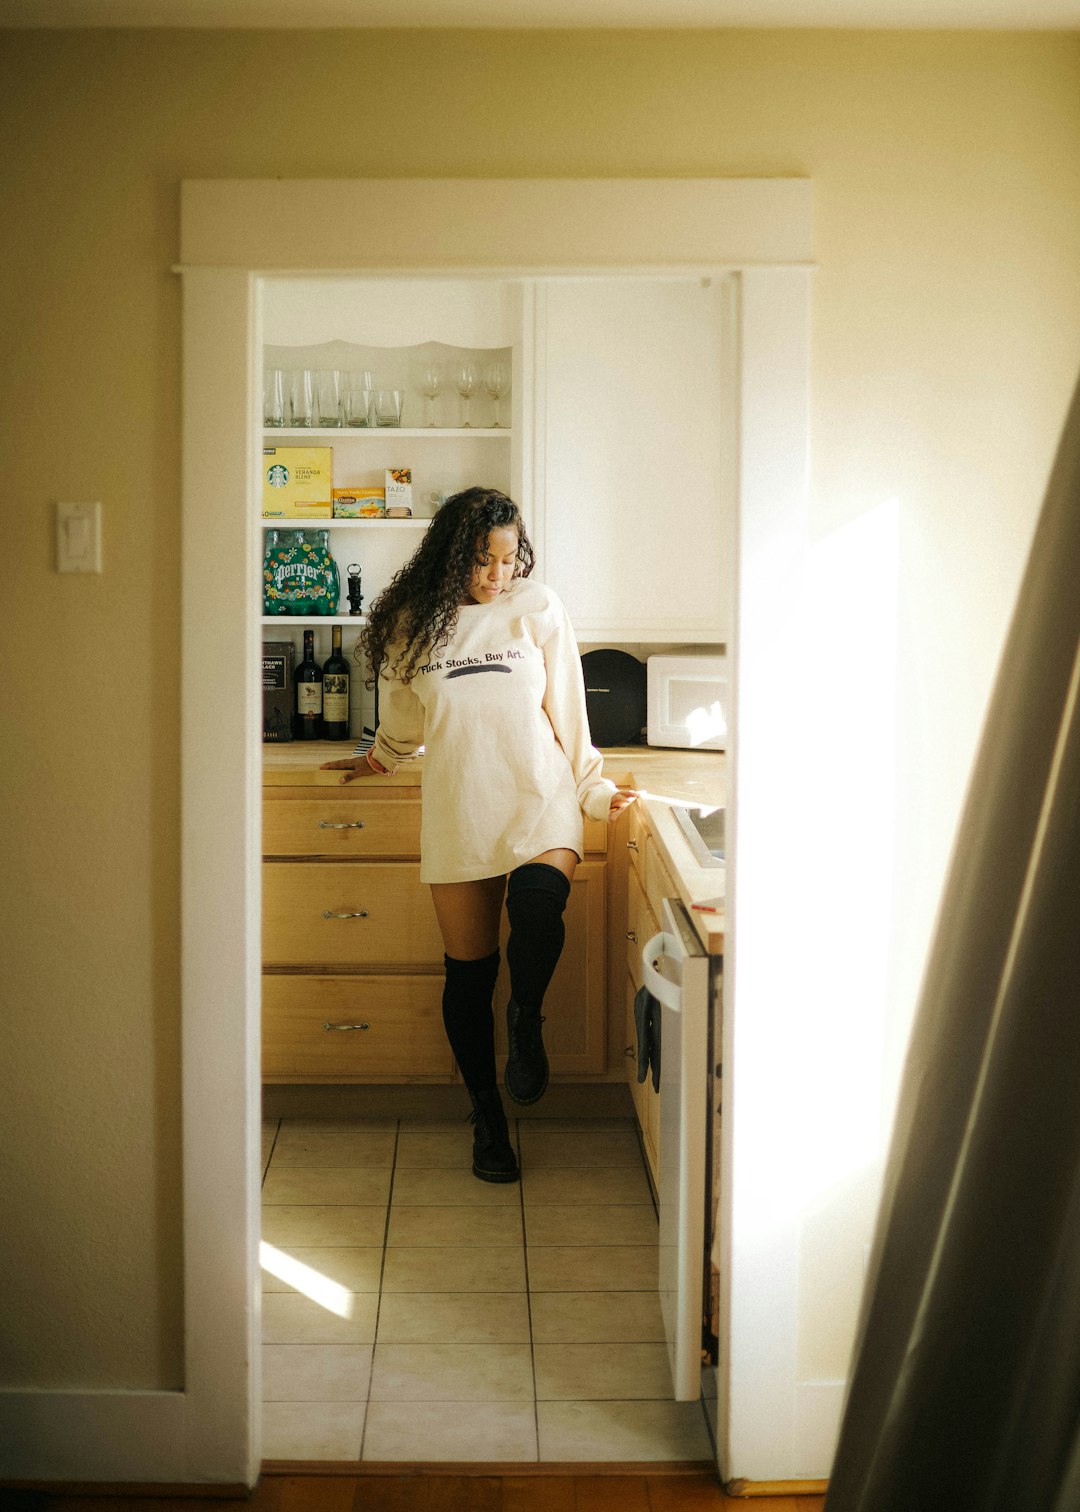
754,233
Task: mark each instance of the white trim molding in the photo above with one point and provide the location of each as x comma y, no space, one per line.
232,232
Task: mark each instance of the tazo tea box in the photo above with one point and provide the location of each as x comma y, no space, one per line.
278,695
297,482
359,503
398,492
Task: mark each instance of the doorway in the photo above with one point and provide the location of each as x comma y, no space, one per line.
757,233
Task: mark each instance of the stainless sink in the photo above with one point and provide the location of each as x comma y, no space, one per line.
704,831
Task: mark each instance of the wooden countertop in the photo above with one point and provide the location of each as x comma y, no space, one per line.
662,776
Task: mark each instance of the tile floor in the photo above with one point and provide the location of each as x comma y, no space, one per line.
411,1312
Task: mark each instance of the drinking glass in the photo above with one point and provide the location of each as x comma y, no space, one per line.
388,405
431,380
497,383
274,397
356,399
466,379
328,396
301,397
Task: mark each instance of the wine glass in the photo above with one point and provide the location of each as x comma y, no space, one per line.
465,381
431,380
497,383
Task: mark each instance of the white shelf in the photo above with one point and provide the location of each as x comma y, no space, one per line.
387,432
287,621
325,523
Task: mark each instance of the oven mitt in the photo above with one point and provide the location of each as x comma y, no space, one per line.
647,1024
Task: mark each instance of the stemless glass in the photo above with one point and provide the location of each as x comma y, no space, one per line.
497,383
274,397
356,399
431,381
301,398
388,405
465,381
328,396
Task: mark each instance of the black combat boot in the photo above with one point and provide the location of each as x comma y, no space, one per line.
493,1154
526,1074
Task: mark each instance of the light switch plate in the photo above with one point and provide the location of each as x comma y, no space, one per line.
78,537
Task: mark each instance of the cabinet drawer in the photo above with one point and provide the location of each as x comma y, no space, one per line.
636,833
401,1037
339,826
659,883
641,925
392,924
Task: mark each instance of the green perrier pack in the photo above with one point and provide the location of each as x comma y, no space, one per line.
300,575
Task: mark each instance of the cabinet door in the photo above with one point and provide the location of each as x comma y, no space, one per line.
574,1018
633,536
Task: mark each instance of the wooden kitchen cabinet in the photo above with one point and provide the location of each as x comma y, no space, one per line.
353,958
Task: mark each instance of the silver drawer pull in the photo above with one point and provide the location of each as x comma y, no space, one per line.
631,935
632,845
346,1027
361,913
351,824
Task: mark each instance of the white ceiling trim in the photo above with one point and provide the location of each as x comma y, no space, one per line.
309,15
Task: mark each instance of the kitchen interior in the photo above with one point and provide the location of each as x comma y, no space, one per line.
572,1312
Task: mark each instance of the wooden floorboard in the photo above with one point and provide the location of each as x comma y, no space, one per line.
415,1490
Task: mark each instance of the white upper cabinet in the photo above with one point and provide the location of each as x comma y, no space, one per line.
627,476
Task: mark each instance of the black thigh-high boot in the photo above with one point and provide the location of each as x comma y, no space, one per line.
470,1028
536,896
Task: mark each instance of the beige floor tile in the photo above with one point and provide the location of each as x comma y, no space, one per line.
616,1372
540,1151
453,1226
312,1227
452,1373
622,1431
269,1134
312,1430
591,1225
596,1317
316,1372
327,1185
585,1267
357,1270
291,1319
455,1270
422,1187
482,1431
334,1144
570,1188
448,1146
454,1318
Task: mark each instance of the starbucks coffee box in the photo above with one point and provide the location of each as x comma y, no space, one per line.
278,692
359,503
298,482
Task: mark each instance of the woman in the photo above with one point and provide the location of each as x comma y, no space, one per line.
480,666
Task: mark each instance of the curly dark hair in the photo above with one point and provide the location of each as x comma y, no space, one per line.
416,614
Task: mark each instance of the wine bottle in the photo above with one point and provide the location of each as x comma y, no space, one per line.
335,705
309,693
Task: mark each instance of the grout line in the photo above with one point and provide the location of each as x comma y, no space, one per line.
382,1274
528,1293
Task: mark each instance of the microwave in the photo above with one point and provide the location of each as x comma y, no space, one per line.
687,699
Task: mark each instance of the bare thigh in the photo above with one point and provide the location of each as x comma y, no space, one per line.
468,915
562,860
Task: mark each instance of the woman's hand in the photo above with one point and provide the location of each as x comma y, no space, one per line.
353,766
622,798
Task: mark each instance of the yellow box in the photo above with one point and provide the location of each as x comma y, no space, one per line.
359,503
298,482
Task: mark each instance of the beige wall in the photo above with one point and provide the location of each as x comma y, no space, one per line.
946,337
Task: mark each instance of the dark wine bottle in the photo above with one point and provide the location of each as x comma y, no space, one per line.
309,693
335,695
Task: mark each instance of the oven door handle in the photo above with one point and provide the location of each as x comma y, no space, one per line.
668,993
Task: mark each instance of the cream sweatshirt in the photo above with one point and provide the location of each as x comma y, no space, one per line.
509,765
